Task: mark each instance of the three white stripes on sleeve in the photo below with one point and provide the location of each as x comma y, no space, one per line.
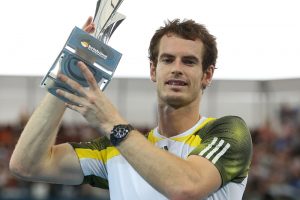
220,148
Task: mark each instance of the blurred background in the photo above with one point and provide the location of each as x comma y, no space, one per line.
270,108
258,78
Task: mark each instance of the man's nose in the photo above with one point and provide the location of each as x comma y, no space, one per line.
177,67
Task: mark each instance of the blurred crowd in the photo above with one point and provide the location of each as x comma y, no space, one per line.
275,168
274,174
13,188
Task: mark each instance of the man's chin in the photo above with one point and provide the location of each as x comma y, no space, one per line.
176,101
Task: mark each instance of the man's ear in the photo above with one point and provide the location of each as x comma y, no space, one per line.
207,76
152,72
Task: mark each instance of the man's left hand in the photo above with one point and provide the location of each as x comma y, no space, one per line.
92,104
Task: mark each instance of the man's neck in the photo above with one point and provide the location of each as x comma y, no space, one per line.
174,121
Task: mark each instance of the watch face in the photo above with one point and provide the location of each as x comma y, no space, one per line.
120,132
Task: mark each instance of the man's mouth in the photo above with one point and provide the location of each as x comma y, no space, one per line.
175,82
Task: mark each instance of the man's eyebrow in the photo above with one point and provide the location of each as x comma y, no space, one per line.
166,55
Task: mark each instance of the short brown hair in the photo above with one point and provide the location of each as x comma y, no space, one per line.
190,30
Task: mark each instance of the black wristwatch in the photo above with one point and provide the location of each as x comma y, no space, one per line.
119,133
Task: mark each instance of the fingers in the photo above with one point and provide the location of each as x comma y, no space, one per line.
88,76
75,107
73,84
73,98
89,25
85,97
88,22
90,28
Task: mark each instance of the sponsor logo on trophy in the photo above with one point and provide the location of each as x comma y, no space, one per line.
92,49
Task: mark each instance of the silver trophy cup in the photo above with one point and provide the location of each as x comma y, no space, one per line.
107,19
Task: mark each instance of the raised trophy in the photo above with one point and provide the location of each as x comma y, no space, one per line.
92,49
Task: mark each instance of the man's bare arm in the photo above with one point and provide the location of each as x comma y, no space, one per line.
35,157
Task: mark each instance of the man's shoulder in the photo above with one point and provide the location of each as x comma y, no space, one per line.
227,143
228,125
229,119
231,129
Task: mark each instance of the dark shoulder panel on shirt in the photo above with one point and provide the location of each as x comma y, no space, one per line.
96,144
227,143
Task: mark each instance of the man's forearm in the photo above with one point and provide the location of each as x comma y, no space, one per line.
169,174
38,136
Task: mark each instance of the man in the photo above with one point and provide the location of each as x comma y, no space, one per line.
187,156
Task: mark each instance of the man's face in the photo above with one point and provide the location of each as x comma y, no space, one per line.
178,73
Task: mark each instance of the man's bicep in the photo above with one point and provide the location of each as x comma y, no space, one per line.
63,167
210,176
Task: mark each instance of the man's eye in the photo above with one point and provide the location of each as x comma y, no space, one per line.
167,60
189,62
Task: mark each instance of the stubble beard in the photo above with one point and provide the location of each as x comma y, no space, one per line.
175,101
